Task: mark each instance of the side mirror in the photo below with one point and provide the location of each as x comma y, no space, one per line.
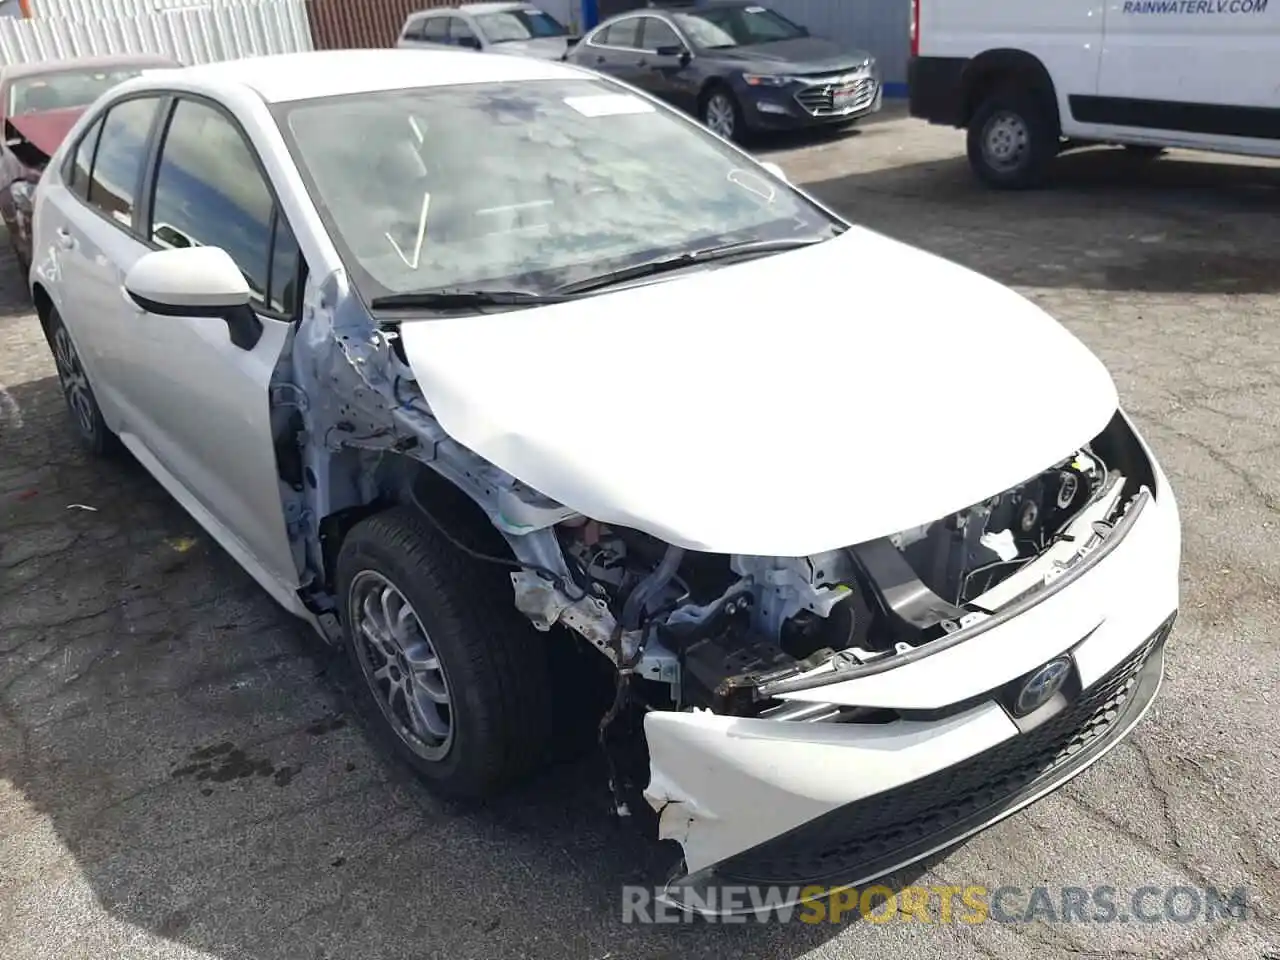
776,170
196,282
674,51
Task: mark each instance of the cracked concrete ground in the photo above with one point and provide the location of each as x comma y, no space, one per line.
179,776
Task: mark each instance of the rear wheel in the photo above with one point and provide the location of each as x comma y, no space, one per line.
452,676
86,416
1012,139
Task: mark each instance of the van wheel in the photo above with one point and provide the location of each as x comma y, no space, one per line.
1012,140
452,677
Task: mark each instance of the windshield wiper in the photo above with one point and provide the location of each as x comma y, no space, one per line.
681,260
449,298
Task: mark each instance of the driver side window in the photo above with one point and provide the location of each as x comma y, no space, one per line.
658,35
210,191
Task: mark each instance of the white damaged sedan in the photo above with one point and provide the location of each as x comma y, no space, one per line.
470,361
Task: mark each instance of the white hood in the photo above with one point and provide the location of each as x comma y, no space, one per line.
778,407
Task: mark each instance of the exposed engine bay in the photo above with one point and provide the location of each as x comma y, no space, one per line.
719,632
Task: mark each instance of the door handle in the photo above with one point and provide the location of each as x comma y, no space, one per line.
599,59
64,239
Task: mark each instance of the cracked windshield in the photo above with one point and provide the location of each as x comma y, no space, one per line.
531,185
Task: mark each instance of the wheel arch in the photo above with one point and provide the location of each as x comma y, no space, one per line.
44,305
403,481
709,86
993,69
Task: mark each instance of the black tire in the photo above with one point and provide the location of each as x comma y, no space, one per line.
1012,139
712,98
492,664
1140,151
86,416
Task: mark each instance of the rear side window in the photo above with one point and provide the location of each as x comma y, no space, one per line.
412,30
210,191
435,29
118,161
460,31
78,171
624,33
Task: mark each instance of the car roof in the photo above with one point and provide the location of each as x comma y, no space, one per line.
333,73
73,64
492,7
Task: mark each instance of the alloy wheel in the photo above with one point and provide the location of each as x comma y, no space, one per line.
75,385
401,665
721,118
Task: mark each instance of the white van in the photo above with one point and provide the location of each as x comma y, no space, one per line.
1029,79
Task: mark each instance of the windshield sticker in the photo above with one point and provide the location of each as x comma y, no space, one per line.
608,105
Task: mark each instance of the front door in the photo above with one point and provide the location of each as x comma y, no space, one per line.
206,400
664,69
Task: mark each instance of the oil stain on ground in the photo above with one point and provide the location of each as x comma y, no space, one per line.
224,762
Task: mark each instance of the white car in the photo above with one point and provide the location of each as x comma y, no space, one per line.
449,351
1029,80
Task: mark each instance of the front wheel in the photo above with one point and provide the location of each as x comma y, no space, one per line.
451,675
1012,140
721,113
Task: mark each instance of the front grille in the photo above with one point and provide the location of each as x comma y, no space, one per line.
869,832
819,98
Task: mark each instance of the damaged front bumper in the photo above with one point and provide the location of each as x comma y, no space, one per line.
829,805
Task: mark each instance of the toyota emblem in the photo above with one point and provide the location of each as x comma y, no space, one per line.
1041,686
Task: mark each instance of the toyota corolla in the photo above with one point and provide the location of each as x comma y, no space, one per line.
471,360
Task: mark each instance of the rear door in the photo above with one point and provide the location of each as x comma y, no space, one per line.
615,50
1196,72
99,229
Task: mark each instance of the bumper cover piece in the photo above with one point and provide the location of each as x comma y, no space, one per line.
872,837
936,89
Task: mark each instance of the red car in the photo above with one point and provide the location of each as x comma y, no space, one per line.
39,103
